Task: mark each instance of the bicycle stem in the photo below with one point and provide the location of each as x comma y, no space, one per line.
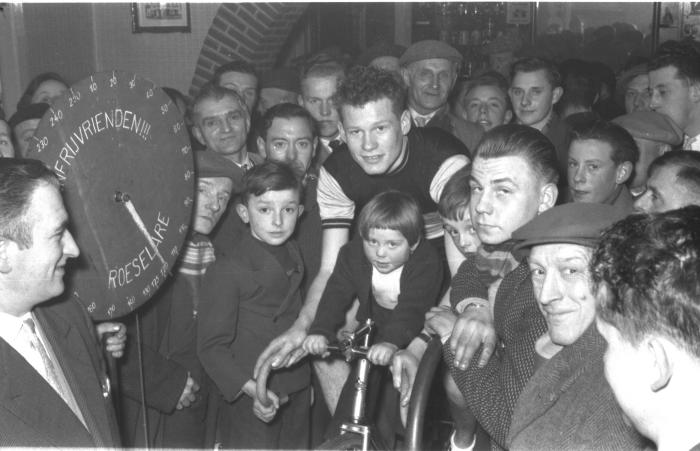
363,367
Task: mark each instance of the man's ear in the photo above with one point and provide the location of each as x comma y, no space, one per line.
623,172
405,120
261,147
341,131
301,211
695,92
247,124
548,197
556,94
242,211
198,135
508,117
415,246
405,75
661,361
5,266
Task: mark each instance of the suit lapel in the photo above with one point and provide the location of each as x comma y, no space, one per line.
440,119
80,364
552,380
31,399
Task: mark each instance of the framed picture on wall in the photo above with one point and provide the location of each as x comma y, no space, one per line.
160,17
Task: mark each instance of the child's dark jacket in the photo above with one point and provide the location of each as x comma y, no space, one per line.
352,278
246,303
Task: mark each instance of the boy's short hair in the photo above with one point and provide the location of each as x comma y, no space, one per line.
490,78
269,176
392,210
684,56
211,91
515,140
687,164
240,66
19,178
454,200
323,68
493,79
369,84
527,65
286,111
651,267
624,147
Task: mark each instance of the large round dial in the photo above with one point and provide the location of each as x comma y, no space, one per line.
122,154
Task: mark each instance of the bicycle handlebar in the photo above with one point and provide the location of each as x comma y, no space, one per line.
348,348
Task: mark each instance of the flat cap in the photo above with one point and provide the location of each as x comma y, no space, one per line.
573,223
282,78
208,163
27,112
380,49
627,76
652,126
429,49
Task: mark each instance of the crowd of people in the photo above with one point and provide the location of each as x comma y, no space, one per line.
545,229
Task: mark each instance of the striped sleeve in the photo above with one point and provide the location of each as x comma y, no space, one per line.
443,174
335,208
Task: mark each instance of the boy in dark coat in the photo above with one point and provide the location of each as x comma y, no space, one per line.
254,296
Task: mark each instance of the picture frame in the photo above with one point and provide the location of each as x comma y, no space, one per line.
160,17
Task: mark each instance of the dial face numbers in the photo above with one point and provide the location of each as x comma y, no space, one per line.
121,151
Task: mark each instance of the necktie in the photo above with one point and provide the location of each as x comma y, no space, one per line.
51,375
420,121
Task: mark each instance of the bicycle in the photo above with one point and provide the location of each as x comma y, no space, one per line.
358,433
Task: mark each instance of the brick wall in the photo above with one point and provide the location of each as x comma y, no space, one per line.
254,32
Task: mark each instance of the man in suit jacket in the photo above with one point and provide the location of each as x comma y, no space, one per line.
54,391
430,69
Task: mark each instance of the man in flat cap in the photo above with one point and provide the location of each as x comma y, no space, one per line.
567,403
429,69
655,134
24,123
673,182
278,86
174,381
